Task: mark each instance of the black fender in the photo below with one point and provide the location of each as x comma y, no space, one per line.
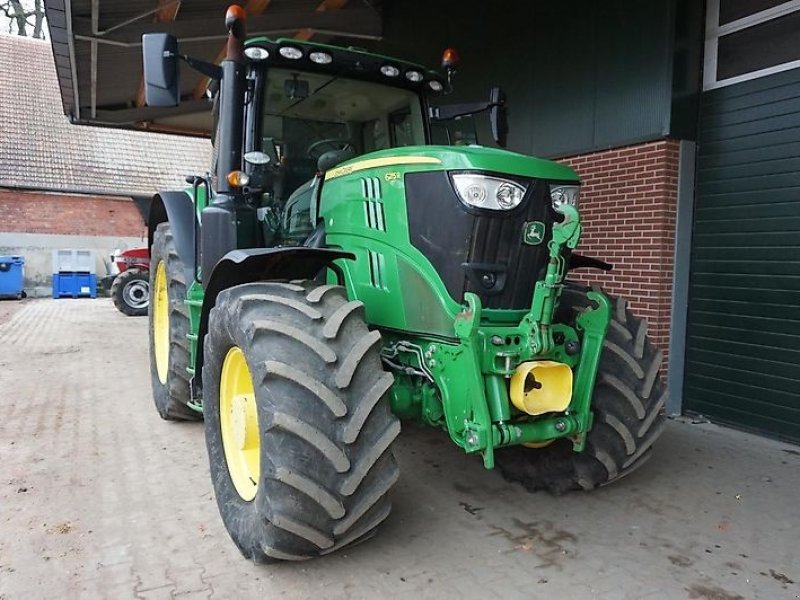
579,261
259,264
177,208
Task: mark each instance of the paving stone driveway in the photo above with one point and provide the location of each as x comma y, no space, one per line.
99,498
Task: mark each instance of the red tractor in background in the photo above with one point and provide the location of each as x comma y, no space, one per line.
130,286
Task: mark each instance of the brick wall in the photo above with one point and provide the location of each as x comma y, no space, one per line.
628,203
56,213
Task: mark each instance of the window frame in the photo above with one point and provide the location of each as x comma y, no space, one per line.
714,31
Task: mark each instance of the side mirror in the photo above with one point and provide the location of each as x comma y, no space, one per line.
160,60
498,116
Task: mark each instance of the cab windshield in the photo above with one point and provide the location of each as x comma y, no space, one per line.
307,114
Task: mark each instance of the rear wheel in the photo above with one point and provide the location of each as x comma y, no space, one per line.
131,292
628,404
169,325
298,426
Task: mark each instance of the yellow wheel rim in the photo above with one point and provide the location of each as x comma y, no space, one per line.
161,323
241,439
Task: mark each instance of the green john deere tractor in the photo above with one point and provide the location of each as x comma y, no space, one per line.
339,273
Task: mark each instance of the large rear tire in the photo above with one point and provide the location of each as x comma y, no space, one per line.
300,456
169,325
130,292
628,404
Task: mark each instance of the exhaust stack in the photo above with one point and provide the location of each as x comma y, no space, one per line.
231,111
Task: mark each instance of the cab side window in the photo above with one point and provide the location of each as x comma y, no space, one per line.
401,128
374,135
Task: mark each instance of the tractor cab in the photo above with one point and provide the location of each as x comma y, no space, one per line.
292,110
308,115
314,106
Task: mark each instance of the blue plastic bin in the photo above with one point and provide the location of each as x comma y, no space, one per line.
11,276
74,285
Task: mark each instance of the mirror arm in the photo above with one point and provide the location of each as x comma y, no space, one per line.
452,111
206,68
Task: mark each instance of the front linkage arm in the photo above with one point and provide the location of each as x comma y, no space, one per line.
482,421
546,293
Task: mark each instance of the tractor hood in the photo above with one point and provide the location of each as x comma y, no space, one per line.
453,158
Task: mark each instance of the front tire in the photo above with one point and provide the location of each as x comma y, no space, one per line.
130,292
322,430
169,325
628,404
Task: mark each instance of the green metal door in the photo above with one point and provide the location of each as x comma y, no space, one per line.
743,333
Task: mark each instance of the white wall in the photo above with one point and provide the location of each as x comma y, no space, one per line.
37,250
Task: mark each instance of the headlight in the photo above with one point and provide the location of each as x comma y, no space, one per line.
390,70
290,52
321,58
564,194
256,53
483,191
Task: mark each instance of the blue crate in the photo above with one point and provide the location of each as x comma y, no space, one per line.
74,285
11,276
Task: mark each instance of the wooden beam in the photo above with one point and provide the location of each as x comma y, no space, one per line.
167,13
356,22
306,34
252,8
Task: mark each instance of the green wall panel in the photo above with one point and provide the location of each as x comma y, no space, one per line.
579,75
743,333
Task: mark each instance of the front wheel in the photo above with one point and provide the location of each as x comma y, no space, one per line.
130,292
627,403
298,426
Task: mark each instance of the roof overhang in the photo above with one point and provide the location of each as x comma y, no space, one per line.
97,50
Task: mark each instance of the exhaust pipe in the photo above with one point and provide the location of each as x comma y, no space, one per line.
228,222
231,114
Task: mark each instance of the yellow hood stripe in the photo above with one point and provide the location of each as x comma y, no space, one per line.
389,161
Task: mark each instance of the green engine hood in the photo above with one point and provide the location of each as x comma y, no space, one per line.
452,158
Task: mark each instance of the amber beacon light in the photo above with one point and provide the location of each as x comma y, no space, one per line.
450,59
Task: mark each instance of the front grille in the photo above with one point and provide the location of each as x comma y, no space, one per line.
479,251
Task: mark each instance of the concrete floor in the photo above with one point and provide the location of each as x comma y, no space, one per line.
101,499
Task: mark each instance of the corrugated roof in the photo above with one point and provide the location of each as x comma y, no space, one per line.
41,149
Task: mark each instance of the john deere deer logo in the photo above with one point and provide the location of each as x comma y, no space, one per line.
533,233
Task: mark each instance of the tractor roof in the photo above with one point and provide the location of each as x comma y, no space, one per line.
348,62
